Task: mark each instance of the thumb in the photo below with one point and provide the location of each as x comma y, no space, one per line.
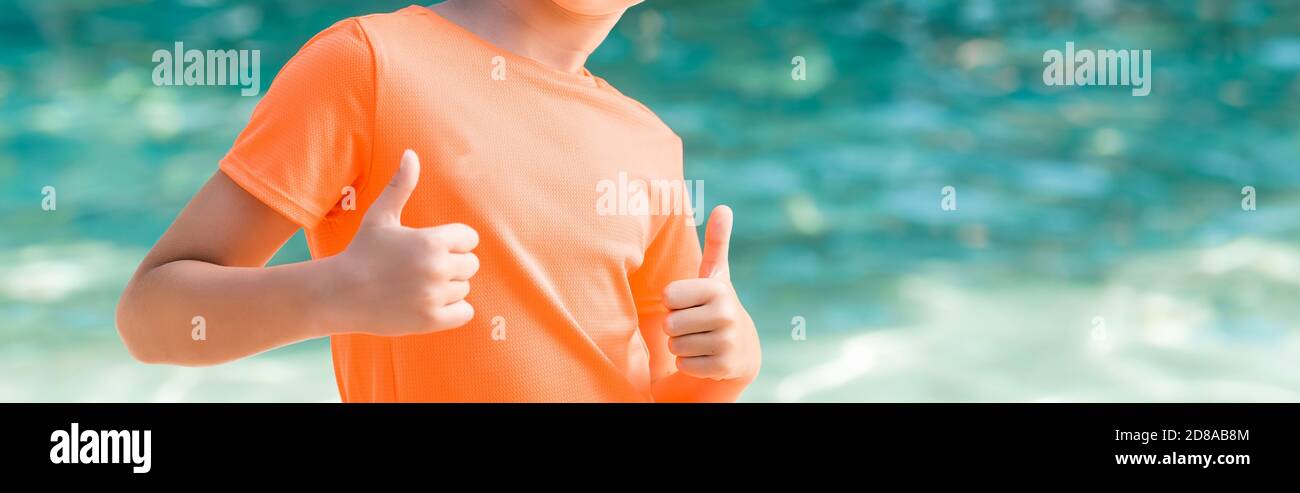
387,208
717,240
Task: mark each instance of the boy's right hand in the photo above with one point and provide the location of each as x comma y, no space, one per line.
396,280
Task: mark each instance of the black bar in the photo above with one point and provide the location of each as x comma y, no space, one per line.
232,441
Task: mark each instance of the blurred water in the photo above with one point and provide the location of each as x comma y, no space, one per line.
1099,251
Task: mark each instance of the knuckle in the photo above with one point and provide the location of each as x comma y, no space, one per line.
454,293
435,242
716,288
431,315
438,274
438,263
724,342
439,294
717,366
460,231
726,314
726,369
428,298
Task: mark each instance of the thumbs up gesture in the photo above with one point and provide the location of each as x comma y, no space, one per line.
405,280
708,329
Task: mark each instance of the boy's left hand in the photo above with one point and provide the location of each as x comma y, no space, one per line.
708,329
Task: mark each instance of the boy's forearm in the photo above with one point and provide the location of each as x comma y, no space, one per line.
194,313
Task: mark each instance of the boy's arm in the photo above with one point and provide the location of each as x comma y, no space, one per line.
210,264
705,348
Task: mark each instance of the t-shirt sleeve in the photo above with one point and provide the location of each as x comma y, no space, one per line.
674,254
311,134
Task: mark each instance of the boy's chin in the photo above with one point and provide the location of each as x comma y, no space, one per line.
595,7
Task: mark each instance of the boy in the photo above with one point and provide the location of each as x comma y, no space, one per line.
593,307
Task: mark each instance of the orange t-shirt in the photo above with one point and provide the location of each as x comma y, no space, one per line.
511,147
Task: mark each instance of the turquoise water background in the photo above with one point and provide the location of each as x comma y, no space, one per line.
1099,250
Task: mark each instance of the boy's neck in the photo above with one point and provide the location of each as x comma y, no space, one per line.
536,29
